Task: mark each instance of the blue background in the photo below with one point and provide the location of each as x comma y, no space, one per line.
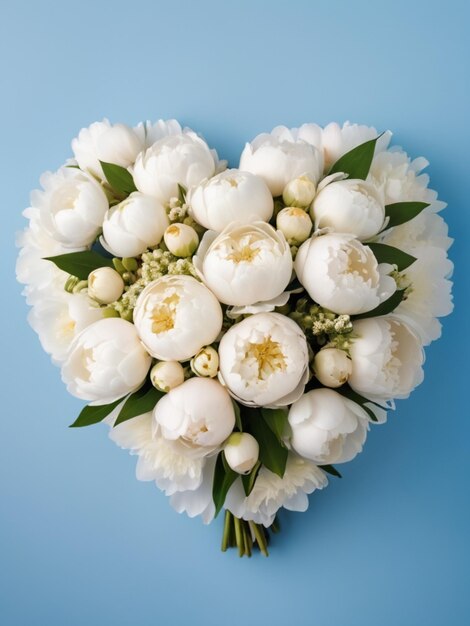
84,543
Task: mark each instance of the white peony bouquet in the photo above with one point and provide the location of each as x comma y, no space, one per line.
239,329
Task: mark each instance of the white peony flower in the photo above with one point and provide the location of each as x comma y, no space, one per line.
231,196
280,156
105,285
166,375
111,143
197,416
175,316
326,427
151,132
332,367
245,263
106,361
386,359
299,192
343,275
241,452
72,206
264,360
294,224
181,239
198,501
134,225
206,362
349,206
338,140
177,159
271,492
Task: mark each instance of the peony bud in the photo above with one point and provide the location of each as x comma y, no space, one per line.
181,239
167,375
332,367
299,192
295,224
105,285
241,452
206,362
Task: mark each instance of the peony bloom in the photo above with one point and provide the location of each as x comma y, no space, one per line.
338,140
294,224
111,143
196,416
151,132
264,360
183,159
299,192
386,359
271,492
166,375
332,367
105,285
343,275
326,427
198,501
175,316
106,361
231,196
181,239
245,263
72,206
241,452
134,225
280,156
206,362
349,206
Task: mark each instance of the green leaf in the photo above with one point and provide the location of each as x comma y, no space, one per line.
80,264
356,163
272,453
181,194
224,477
385,307
94,414
141,401
349,393
249,480
276,419
389,254
119,179
401,212
329,469
238,417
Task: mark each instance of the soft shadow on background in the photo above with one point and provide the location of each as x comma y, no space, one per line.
81,541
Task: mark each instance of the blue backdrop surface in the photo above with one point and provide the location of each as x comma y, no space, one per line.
81,541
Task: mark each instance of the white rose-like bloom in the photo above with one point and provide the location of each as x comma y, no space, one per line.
241,452
177,159
338,140
280,156
264,360
111,143
197,415
271,492
299,192
326,427
231,196
181,239
386,358
349,206
72,206
245,263
295,224
105,285
332,367
134,225
106,361
175,316
343,275
166,375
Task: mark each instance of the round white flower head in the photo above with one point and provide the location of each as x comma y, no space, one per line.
271,492
72,206
241,452
245,263
175,316
343,275
181,239
166,375
349,206
111,143
332,367
264,360
299,192
386,358
105,285
295,224
326,427
197,415
106,361
177,159
206,362
338,140
133,225
231,196
281,156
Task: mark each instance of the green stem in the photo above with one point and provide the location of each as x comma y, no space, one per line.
226,535
260,538
239,536
247,538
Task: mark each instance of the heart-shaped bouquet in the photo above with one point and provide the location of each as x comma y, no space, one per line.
238,329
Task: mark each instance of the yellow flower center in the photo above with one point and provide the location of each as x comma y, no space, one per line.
269,357
164,313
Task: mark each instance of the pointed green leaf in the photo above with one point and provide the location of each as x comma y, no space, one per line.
385,308
272,453
238,417
249,480
94,414
80,264
119,179
356,163
276,419
329,469
224,478
181,194
349,393
401,212
141,401
388,254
